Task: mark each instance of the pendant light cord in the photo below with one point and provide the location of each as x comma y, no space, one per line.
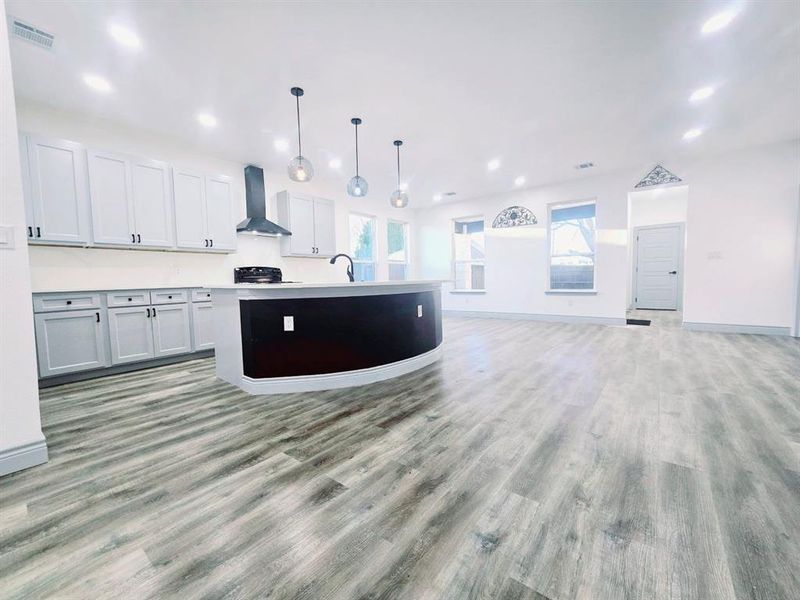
299,144
356,125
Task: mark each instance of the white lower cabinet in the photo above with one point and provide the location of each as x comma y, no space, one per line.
82,331
131,333
70,341
171,331
203,325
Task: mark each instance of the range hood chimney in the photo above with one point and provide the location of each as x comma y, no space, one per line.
256,221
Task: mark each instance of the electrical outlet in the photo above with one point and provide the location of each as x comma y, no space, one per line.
419,310
288,323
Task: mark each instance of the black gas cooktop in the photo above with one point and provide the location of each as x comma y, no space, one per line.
258,275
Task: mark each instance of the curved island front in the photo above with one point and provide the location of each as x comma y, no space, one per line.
298,337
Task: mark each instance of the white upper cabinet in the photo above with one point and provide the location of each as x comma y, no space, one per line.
190,209
324,227
219,213
152,203
203,211
131,201
312,223
57,195
112,207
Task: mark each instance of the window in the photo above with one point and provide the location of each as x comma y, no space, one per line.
397,244
362,245
468,253
572,243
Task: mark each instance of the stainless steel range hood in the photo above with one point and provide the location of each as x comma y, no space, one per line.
256,221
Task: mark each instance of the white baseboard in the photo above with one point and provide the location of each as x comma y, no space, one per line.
331,381
726,328
535,317
23,457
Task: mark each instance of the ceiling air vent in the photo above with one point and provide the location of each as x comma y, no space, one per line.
586,165
29,33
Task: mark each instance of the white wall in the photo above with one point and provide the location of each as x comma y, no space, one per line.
21,439
516,259
741,237
56,268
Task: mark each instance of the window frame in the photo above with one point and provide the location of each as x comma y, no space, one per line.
454,262
375,247
406,247
549,254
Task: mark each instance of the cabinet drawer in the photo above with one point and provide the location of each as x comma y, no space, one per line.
128,298
168,296
70,301
201,295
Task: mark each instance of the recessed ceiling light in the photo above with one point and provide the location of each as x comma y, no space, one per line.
437,197
281,145
493,164
124,36
519,181
207,120
692,134
335,163
97,83
718,21
701,94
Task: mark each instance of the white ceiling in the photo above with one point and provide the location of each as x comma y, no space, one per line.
542,86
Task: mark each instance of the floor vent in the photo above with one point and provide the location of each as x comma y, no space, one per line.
29,33
645,322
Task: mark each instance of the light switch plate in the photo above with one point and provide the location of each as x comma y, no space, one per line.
6,237
288,323
419,310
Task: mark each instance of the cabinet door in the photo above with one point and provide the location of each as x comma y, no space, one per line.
171,332
69,341
58,190
112,208
324,227
219,211
203,325
190,209
30,226
131,334
301,224
152,204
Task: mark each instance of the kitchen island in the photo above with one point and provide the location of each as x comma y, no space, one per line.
297,337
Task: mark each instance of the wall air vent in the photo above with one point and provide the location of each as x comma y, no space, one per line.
586,165
29,33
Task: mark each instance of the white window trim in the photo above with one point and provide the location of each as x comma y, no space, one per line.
548,256
375,245
466,262
407,238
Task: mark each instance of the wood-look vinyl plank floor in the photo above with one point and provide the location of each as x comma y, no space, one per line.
539,461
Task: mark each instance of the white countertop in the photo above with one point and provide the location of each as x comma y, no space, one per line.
328,285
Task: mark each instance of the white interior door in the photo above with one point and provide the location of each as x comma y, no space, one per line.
658,266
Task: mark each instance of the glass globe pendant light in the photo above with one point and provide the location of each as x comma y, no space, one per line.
300,168
357,186
398,199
